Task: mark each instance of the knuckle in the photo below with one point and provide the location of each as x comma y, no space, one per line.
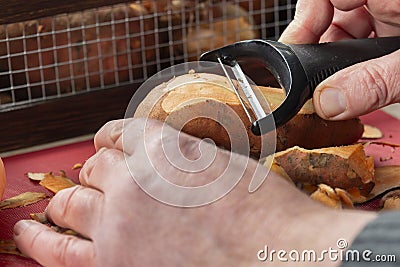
59,204
37,238
107,125
108,156
62,249
72,204
375,83
67,252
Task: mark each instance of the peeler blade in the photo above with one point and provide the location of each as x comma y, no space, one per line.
248,91
235,89
249,95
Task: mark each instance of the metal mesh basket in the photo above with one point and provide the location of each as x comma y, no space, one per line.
100,48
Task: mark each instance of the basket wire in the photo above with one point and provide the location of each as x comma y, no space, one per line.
106,47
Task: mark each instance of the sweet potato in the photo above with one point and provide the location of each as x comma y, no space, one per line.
199,26
345,167
184,101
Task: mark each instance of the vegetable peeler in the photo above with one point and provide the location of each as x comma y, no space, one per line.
298,68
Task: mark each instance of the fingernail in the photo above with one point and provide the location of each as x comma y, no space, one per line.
332,102
20,226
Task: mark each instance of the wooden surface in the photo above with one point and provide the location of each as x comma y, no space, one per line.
17,10
63,118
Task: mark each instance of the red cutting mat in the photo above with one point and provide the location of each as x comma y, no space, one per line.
54,159
390,127
64,157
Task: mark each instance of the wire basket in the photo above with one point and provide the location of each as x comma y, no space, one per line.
97,49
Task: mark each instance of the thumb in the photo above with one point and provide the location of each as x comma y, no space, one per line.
359,89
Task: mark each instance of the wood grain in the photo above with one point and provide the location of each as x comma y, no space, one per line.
17,10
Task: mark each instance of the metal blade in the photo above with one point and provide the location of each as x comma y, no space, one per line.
248,91
236,90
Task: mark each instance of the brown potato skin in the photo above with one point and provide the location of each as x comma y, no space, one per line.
348,171
311,131
306,129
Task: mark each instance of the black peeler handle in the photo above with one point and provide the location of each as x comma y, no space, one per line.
300,68
320,61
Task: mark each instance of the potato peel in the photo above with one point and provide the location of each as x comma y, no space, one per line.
77,166
56,183
371,132
391,200
22,200
36,176
335,198
39,217
9,247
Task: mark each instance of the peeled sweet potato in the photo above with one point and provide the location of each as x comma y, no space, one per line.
345,167
186,101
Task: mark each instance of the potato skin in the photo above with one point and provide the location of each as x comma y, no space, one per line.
311,131
345,167
306,129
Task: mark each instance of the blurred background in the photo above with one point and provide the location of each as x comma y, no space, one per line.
68,67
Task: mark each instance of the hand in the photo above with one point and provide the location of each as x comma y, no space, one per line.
125,226
363,87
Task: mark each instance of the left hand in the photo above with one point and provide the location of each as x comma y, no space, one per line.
126,227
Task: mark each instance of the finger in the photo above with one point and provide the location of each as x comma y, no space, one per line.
313,18
50,248
386,15
100,171
347,5
343,26
308,25
359,89
125,135
108,134
386,29
77,208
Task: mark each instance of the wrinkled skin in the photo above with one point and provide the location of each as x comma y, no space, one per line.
363,87
126,227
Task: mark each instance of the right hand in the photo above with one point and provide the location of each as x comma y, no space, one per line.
366,86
